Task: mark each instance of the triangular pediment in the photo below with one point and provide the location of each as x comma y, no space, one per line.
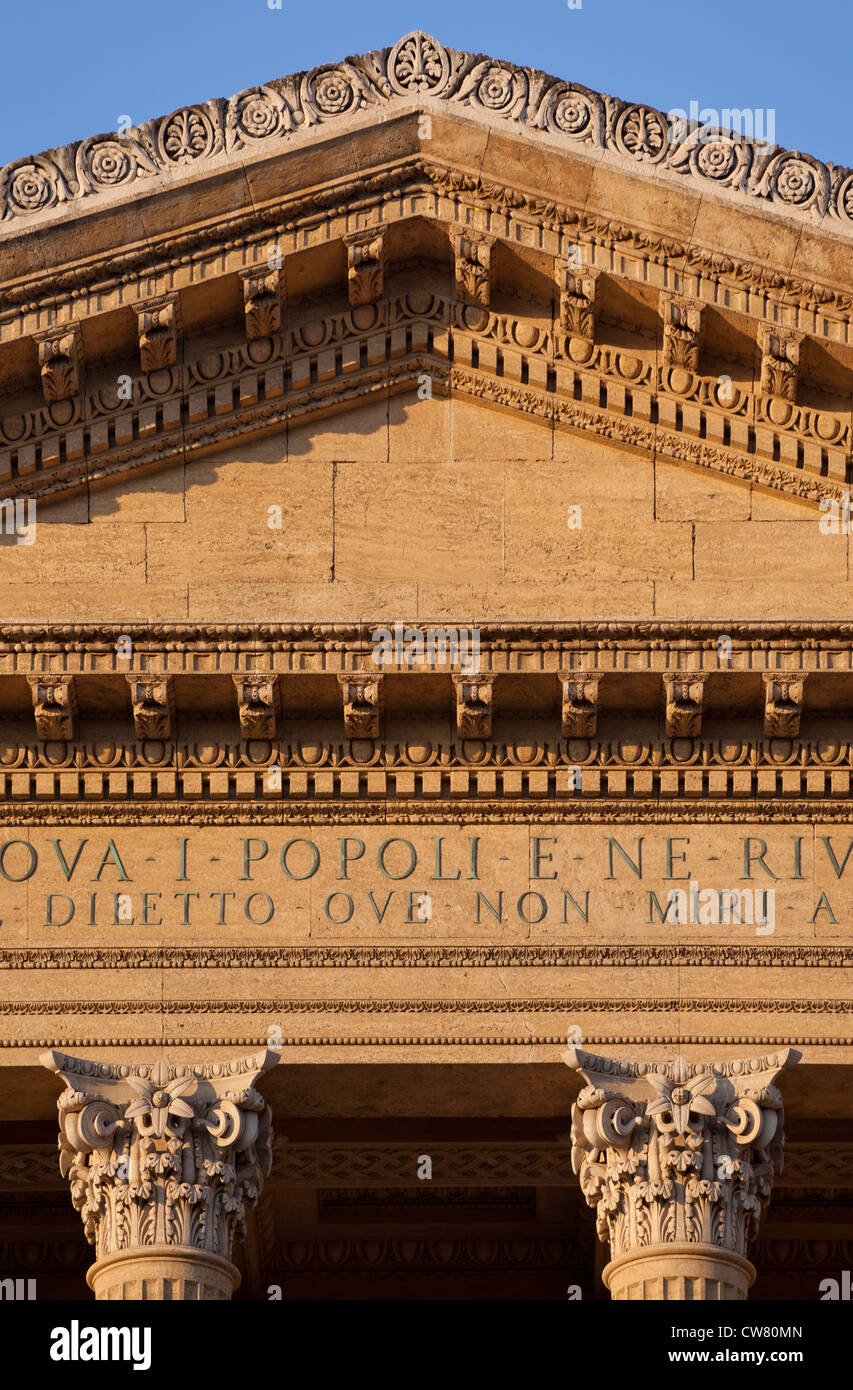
389,225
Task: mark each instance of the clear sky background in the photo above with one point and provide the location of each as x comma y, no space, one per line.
72,68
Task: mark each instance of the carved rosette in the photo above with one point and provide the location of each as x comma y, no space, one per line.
678,1159
164,1162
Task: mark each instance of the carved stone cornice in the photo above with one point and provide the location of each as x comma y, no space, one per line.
365,267
54,705
163,1161
259,703
361,693
59,362
678,1159
493,1163
619,955
419,68
153,700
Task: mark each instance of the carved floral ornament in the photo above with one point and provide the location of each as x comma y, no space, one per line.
161,1154
679,1152
420,67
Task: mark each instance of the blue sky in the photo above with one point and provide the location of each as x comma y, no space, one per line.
73,69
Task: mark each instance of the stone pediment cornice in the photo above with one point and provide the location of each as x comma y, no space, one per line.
507,361
273,117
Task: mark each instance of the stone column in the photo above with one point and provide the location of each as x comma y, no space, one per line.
678,1159
163,1161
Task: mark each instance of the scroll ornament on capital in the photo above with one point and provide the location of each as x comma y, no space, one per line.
162,1155
678,1152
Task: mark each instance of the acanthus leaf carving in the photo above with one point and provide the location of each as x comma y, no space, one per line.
161,1154
365,267
159,328
783,703
474,698
361,693
153,700
579,703
679,1153
684,692
259,703
54,705
472,262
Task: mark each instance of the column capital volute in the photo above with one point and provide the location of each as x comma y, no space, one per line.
164,1157
678,1155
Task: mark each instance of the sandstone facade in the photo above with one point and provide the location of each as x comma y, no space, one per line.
425,661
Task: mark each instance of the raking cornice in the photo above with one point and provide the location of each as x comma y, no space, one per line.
206,137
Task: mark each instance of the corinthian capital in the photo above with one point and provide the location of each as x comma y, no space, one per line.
163,1162
678,1159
